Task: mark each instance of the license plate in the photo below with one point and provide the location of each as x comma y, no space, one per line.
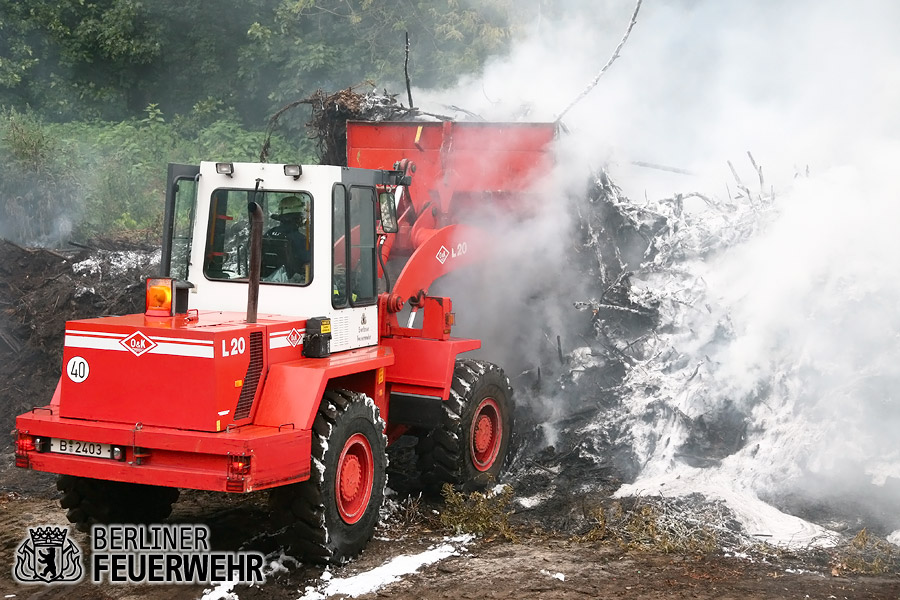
81,448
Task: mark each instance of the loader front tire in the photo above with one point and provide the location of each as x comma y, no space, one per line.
471,445
99,502
332,516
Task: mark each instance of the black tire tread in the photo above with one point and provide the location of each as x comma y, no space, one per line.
442,457
301,506
95,501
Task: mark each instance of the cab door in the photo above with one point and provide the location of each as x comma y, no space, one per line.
178,224
354,267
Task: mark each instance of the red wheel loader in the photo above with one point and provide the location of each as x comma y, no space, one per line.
271,354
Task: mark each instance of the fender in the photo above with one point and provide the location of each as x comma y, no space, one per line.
294,389
425,366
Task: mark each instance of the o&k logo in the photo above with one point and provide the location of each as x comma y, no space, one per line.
442,255
138,343
48,556
294,338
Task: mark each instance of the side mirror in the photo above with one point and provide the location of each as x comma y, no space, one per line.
388,207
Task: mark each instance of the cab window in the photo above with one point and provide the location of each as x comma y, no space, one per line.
354,259
182,227
286,242
362,245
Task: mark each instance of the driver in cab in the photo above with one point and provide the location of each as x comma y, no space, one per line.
289,231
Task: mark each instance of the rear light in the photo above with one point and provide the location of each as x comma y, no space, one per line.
160,292
239,465
24,445
24,442
238,470
118,453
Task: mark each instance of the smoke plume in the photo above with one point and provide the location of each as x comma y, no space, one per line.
791,328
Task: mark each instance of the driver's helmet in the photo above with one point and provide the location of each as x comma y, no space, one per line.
290,208
290,205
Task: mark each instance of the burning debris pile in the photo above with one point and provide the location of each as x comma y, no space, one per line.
40,289
663,399
579,439
630,374
620,397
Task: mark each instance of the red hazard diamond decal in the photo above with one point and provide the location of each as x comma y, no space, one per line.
294,338
138,343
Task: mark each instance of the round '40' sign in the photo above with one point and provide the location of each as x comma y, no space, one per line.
77,369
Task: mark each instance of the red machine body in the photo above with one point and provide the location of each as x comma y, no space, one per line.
181,397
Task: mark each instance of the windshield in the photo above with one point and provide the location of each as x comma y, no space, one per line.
286,243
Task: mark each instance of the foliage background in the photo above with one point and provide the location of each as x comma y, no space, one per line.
102,179
96,96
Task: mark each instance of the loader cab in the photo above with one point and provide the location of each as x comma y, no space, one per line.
318,249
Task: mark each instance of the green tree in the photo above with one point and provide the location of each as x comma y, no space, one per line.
108,59
79,57
16,55
331,44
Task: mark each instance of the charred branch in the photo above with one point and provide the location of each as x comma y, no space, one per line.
606,67
406,73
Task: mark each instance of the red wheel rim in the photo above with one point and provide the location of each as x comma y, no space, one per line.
355,474
486,434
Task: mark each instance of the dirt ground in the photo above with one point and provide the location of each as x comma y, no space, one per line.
486,568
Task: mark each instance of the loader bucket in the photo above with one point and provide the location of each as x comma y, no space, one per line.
458,163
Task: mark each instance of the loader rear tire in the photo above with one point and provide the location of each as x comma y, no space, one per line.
332,516
470,447
99,502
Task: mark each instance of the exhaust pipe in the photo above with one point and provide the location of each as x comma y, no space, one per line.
256,219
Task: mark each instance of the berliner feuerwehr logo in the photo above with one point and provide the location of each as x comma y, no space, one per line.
47,555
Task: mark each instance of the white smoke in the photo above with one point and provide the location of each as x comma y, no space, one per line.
798,326
698,82
795,328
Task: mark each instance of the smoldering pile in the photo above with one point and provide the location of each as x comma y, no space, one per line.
639,403
586,434
41,289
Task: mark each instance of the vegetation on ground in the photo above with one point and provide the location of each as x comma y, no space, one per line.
661,525
865,553
481,513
